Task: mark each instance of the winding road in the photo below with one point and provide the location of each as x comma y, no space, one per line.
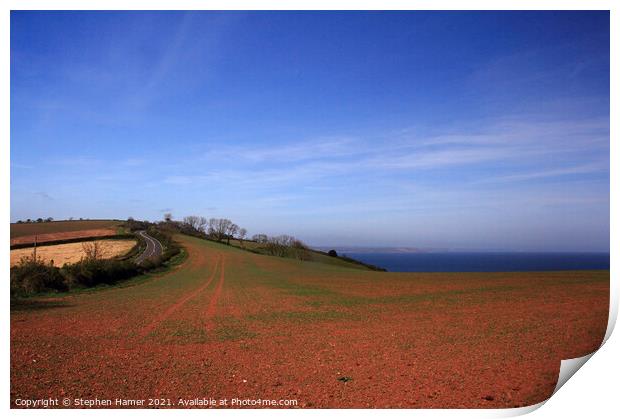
153,248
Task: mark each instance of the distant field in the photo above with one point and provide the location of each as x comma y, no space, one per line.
228,323
29,229
62,230
72,252
314,256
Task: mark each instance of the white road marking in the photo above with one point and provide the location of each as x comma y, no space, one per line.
151,247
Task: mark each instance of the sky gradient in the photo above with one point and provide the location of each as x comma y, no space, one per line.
452,130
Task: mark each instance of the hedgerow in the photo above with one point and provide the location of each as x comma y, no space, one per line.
33,276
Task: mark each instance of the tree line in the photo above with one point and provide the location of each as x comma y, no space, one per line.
283,245
38,220
219,229
224,230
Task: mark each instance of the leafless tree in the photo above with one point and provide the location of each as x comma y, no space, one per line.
92,250
286,240
219,227
192,220
300,250
241,234
284,245
211,229
202,224
278,245
232,230
260,238
167,217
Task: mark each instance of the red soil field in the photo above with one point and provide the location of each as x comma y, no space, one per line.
231,324
30,229
67,235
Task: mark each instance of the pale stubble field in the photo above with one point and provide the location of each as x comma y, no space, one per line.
72,252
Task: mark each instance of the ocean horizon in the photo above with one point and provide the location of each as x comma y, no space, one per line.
482,261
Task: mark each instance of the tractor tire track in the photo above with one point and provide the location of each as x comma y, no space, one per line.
212,308
183,300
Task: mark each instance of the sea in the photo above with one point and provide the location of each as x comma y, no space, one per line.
482,262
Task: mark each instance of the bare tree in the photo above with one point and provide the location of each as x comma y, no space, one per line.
300,250
92,250
284,245
242,233
211,228
278,245
223,226
219,228
286,240
196,223
168,217
192,220
260,238
232,230
202,224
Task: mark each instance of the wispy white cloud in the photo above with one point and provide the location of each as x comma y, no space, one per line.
557,172
321,148
510,146
188,56
165,64
435,159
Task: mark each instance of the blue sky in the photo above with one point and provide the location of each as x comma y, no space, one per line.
460,130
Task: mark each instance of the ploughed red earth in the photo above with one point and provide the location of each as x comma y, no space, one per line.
228,324
66,235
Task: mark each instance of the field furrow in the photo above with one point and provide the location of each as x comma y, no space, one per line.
227,323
